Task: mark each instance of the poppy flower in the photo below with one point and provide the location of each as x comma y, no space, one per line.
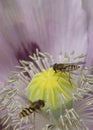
28,30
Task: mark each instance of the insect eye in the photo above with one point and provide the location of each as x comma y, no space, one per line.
54,66
42,104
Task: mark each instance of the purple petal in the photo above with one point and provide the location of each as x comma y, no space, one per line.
49,25
7,59
57,26
89,10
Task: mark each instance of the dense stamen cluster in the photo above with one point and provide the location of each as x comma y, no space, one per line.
61,92
11,102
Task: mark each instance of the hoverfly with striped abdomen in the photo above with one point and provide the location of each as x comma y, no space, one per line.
66,67
34,107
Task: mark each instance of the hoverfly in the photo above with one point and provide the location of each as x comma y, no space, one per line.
34,107
66,67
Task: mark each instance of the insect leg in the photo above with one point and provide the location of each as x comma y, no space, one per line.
33,120
70,79
50,126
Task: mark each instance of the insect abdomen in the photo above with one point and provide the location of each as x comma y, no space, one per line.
34,106
75,67
25,112
71,68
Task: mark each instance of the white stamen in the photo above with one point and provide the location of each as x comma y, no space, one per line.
12,100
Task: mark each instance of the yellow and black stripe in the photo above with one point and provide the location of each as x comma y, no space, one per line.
34,106
65,67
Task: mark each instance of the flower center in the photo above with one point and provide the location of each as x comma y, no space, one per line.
55,88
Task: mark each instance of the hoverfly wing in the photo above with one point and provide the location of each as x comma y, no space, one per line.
80,63
76,63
